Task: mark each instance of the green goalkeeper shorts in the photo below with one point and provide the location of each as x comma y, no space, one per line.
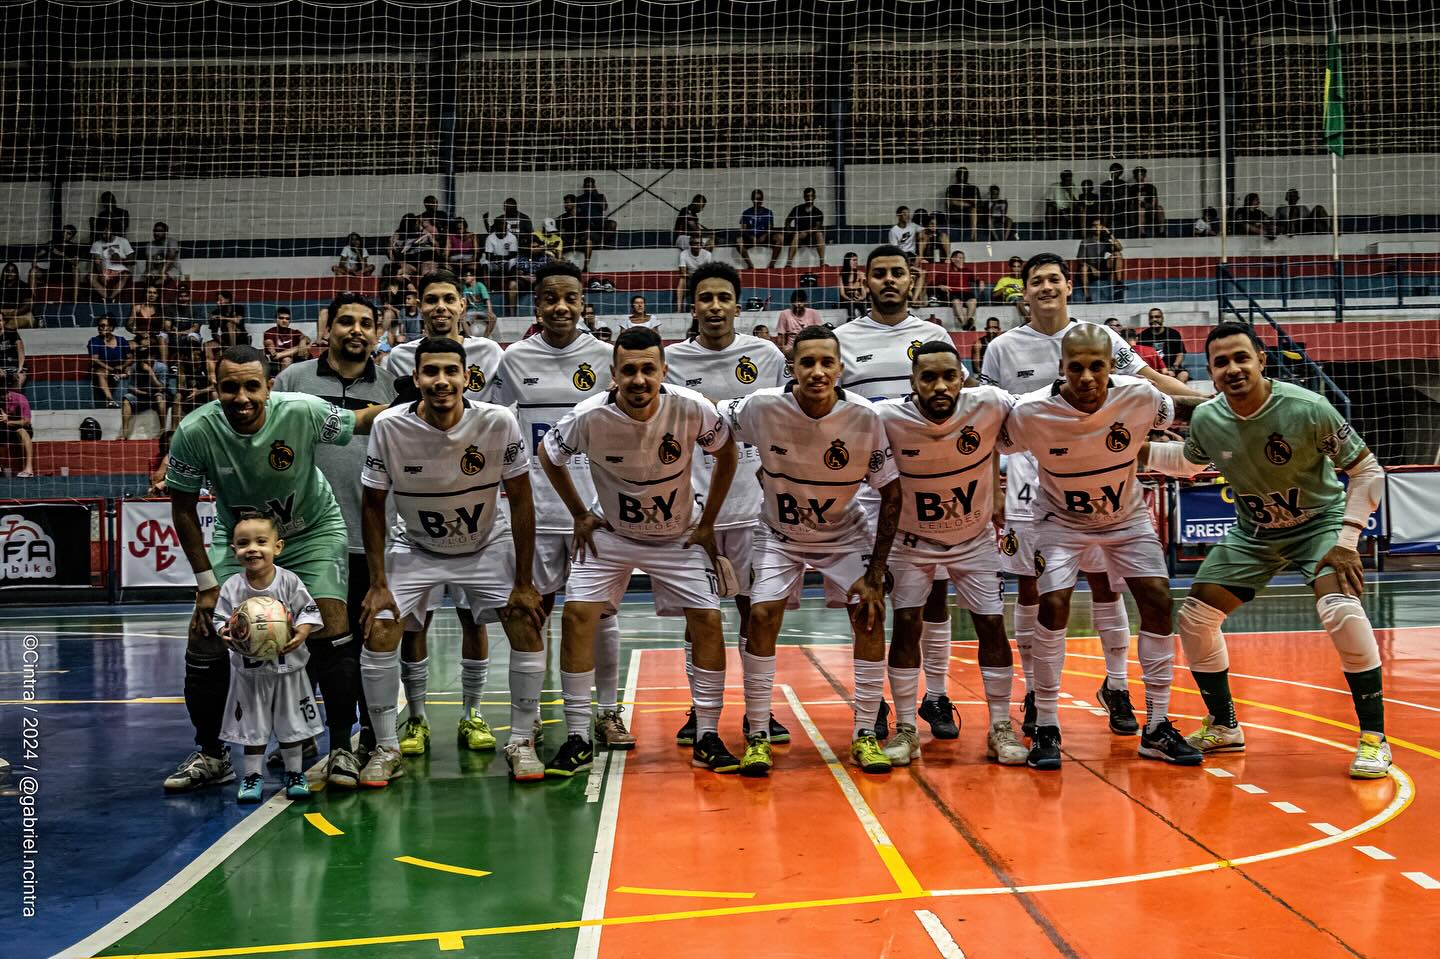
1244,560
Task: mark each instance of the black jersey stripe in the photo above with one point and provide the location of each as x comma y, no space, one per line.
451,492
811,482
963,469
1104,469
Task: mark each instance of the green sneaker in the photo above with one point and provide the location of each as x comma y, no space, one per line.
758,760
415,737
474,733
866,753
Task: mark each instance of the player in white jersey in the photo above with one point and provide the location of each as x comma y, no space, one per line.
724,365
1085,433
818,445
640,439
1020,361
544,377
943,438
877,350
445,458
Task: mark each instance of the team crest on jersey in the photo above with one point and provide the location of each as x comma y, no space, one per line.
584,378
837,457
282,457
1039,563
877,461
670,450
1009,543
512,451
910,353
746,371
475,379
1118,439
968,441
472,461
1277,450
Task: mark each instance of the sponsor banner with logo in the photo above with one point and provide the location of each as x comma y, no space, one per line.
1413,499
150,553
45,545
1204,513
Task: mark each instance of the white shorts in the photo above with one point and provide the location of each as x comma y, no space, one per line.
419,580
1125,552
552,561
1017,548
779,567
973,566
681,577
262,703
738,546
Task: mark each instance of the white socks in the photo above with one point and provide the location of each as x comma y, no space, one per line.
935,657
473,673
1113,625
759,688
1025,621
1048,659
607,663
292,756
254,764
905,686
707,692
869,690
380,678
998,680
527,675
575,688
416,679
1157,665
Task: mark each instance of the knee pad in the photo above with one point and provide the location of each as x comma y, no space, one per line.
1199,627
1349,627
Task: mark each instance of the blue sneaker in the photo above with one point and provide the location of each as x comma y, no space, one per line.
295,785
250,788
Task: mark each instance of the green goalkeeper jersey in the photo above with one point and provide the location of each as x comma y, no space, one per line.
1281,461
272,471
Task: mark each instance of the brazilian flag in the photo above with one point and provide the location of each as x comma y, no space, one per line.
1334,97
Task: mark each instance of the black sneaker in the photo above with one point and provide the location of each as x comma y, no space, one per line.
1122,714
1027,726
1165,743
1045,749
778,733
575,755
685,736
710,753
943,717
882,722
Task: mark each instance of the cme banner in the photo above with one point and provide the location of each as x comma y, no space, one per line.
150,553
45,545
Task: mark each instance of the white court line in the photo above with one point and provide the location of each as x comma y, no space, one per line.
1374,852
1219,773
1326,828
1423,880
949,948
587,940
1289,807
1250,788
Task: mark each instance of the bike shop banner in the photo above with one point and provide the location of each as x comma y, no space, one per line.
1413,499
45,545
150,553
1204,513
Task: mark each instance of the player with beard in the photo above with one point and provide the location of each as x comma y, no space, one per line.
877,352
943,437
1279,446
722,364
545,377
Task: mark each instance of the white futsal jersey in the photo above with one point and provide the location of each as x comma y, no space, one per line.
292,594
1021,361
482,361
746,365
641,470
877,357
446,483
1087,460
544,383
946,469
811,470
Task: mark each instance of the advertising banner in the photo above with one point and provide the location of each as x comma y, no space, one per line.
45,545
150,553
1205,512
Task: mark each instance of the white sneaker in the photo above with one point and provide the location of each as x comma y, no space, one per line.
1372,757
903,746
525,764
385,764
1213,737
1004,747
199,770
342,770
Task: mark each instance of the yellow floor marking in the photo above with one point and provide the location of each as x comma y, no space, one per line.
323,824
441,867
666,709
684,893
450,942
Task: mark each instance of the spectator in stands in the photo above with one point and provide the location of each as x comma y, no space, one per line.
1114,323
479,315
1250,219
462,246
57,262
392,298
16,300
1099,257
284,344
933,243
227,319
111,257
520,224
530,260
354,258
1115,200
438,219
110,359
1149,212
1166,342
687,224
962,203
640,315
958,283
1087,202
182,318
12,353
757,228
161,256
569,224
789,323
225,332
918,295
1010,288
415,245
692,258
160,465
147,384
1208,223
853,291
1145,351
502,249
590,209
148,316
551,239
587,316
982,343
15,427
762,332
905,233
1060,200
110,215
192,377
1292,218
995,211
806,225
408,316
604,334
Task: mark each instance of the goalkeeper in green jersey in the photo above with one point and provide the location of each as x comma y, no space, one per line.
1279,446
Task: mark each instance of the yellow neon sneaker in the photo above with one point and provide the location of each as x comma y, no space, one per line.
474,733
866,753
758,759
415,737
1372,757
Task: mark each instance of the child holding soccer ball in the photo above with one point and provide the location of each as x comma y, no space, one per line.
268,696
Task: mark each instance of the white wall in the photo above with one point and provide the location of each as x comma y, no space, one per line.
24,212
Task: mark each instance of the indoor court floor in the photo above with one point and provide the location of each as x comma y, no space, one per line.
1271,853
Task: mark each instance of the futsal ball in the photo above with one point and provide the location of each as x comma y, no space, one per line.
260,628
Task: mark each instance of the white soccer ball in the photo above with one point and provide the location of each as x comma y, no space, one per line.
260,628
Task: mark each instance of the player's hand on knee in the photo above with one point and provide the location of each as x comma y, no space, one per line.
377,600
527,603
585,528
868,595
1349,571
